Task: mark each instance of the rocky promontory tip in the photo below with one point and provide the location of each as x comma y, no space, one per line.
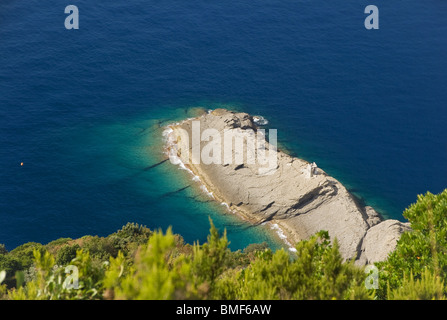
238,162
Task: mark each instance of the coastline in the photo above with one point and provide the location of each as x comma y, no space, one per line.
303,205
171,135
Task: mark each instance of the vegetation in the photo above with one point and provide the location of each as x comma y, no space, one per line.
420,260
137,263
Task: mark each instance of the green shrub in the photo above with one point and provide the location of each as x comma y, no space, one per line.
421,250
136,263
428,287
3,249
66,254
317,272
100,248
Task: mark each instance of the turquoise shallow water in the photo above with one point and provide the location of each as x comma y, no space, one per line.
78,108
97,177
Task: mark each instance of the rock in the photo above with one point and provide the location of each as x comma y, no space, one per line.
283,192
380,240
373,217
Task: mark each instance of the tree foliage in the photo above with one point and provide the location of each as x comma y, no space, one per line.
136,263
166,268
317,272
419,251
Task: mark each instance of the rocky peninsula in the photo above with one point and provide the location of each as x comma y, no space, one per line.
295,195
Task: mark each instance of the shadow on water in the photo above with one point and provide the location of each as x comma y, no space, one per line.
159,124
155,165
173,193
140,172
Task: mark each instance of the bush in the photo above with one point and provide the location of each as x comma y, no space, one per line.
66,254
141,264
428,287
3,249
418,251
100,248
317,272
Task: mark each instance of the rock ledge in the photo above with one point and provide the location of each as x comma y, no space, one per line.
294,194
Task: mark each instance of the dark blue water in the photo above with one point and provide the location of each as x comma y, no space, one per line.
82,108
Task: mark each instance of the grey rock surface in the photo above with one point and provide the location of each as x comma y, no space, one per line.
286,193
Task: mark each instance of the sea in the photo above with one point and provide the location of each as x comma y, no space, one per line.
82,111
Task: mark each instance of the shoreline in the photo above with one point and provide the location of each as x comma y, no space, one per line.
205,186
293,203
